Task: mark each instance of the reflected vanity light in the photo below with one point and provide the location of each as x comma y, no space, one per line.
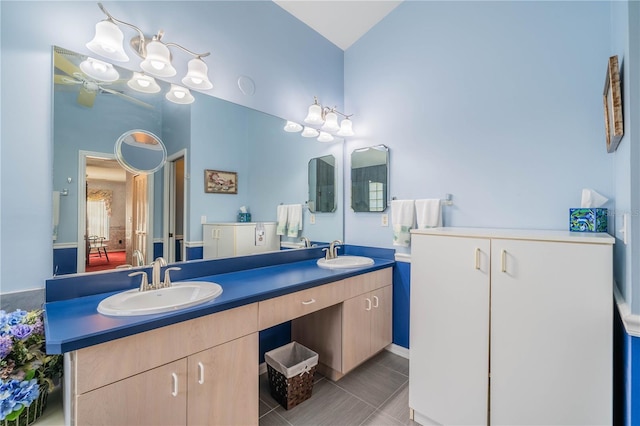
327,119
309,132
143,83
99,70
179,95
292,127
325,137
108,42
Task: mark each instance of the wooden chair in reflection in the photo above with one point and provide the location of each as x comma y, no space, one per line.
98,244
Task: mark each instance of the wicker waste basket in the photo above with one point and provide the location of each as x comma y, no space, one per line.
290,369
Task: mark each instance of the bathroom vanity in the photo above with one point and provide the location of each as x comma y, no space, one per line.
200,365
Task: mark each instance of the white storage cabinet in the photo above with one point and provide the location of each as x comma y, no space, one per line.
511,327
237,239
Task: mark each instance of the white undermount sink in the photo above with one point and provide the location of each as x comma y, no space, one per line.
345,262
180,295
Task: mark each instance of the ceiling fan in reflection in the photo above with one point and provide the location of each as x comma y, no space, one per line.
89,87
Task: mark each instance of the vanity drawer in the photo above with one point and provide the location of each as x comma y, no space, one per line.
284,308
365,283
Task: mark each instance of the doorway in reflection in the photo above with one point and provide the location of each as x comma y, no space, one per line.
114,208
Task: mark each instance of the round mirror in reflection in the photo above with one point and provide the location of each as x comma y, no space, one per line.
140,151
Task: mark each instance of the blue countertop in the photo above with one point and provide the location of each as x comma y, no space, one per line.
75,323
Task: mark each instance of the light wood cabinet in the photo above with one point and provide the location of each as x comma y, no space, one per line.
348,334
154,397
186,373
223,384
511,328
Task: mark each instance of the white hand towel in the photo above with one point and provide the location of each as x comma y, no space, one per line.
294,220
281,226
429,213
402,215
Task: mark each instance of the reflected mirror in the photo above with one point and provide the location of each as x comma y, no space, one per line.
370,179
139,151
89,115
322,184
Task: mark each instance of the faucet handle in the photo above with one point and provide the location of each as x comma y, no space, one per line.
327,253
167,278
144,284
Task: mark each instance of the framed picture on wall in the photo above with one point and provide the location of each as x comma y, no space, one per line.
219,182
612,99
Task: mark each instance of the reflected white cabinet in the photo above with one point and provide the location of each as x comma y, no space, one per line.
511,327
237,239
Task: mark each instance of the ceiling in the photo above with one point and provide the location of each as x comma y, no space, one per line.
340,22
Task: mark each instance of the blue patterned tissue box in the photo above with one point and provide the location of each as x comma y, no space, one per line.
588,220
244,217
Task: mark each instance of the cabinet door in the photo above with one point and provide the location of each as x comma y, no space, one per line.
209,242
551,333
356,331
226,241
223,384
246,240
381,319
449,333
155,397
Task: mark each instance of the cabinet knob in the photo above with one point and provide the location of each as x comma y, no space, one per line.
368,308
478,258
376,301
309,302
504,261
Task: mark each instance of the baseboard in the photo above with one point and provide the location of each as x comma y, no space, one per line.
631,321
398,350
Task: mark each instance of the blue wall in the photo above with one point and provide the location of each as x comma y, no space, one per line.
477,100
251,38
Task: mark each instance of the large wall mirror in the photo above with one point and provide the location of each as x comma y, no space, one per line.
160,214
322,184
370,179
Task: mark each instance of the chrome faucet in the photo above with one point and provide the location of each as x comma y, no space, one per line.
307,241
332,251
155,273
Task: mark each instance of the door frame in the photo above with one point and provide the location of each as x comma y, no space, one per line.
168,197
82,207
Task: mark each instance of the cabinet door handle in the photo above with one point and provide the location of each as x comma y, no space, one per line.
478,258
375,301
504,261
368,308
174,392
200,373
309,302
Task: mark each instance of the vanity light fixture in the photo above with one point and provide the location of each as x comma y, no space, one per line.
179,95
99,70
326,119
143,83
108,42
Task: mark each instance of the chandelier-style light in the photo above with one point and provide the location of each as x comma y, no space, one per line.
108,42
326,119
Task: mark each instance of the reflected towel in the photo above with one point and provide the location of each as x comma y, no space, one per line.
429,213
56,213
281,215
402,216
294,219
